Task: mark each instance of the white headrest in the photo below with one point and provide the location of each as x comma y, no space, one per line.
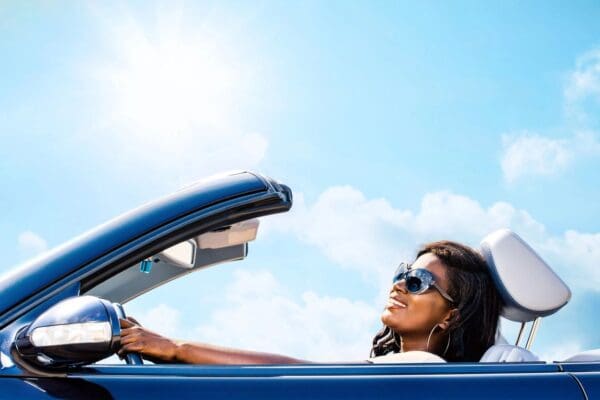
528,286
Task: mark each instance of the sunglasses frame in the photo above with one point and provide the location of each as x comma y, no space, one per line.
427,279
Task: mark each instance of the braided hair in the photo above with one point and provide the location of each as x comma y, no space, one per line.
472,330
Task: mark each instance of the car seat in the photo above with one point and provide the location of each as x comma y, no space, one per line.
529,289
585,356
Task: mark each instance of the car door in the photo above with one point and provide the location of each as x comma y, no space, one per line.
325,381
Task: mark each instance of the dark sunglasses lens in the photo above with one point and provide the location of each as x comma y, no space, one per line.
413,284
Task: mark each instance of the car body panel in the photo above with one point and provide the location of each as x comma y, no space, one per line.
548,386
344,368
590,382
580,366
316,386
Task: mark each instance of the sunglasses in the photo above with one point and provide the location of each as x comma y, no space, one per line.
418,280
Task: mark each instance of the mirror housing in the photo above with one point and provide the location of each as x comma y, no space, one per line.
73,332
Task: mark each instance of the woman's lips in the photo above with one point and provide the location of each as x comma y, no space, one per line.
392,302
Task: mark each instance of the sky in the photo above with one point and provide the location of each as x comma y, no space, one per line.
394,123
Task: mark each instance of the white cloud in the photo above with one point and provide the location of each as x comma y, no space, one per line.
586,143
560,352
259,314
448,215
31,244
530,154
584,81
582,89
351,229
163,318
371,236
577,255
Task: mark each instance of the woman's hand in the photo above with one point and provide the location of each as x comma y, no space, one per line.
150,345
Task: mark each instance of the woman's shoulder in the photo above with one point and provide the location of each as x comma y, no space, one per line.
407,357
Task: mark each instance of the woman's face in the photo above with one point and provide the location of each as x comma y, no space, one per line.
416,314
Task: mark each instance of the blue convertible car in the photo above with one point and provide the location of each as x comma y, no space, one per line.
59,314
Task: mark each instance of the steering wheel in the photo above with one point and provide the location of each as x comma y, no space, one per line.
131,358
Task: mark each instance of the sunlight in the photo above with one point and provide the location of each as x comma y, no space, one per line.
171,81
171,95
173,85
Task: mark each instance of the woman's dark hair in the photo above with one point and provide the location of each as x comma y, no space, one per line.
472,330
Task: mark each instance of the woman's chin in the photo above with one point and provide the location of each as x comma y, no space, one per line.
388,317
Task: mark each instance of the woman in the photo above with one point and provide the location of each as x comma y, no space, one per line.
444,303
455,316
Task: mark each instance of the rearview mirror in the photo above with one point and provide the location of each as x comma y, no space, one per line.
182,254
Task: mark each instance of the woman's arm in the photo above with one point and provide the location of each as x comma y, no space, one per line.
157,348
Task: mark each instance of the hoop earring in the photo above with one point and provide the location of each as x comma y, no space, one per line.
429,337
447,345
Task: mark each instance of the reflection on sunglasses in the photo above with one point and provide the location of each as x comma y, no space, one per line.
418,280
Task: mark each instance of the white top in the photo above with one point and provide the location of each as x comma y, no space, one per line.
508,353
407,357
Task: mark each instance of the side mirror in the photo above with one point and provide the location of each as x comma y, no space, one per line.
76,331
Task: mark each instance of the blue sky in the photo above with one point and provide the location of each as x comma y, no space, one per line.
394,123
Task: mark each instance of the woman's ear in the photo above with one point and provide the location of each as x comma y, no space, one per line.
449,318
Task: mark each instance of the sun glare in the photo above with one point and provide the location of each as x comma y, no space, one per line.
171,96
172,83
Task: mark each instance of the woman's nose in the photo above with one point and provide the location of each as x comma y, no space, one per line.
400,285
